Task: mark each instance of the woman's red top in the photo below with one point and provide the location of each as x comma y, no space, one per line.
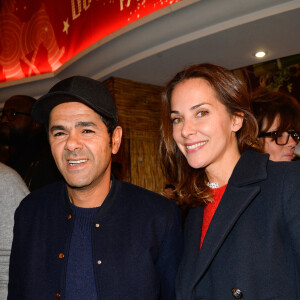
210,209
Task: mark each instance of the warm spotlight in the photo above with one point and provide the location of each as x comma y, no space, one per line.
260,54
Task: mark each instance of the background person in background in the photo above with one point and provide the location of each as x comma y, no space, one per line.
29,151
91,236
241,235
12,191
278,118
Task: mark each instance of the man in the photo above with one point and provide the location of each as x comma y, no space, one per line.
12,191
91,236
29,152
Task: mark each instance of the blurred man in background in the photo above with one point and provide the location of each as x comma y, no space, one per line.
26,142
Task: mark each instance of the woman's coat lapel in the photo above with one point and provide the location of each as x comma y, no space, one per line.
237,197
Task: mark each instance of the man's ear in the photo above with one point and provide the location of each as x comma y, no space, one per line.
237,121
116,139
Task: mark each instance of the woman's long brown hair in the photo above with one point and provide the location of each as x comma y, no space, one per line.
191,184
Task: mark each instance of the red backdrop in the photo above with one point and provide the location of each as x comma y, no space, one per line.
37,36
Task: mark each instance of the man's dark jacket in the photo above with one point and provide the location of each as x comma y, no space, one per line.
136,244
251,250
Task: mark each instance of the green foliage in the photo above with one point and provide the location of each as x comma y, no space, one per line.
281,79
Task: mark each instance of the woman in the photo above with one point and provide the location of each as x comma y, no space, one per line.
243,226
278,118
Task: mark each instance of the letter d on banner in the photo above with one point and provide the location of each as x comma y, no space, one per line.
74,14
86,4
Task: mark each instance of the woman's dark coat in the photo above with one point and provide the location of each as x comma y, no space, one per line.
251,250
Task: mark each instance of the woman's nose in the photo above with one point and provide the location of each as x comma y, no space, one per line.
188,128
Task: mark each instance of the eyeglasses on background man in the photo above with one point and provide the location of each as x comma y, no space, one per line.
281,138
11,114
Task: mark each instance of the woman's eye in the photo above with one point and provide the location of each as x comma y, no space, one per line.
202,113
175,120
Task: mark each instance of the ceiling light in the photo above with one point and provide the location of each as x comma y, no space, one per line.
260,54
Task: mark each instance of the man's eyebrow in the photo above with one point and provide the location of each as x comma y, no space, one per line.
56,127
85,124
78,124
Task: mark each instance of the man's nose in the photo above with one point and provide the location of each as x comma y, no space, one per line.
73,142
4,119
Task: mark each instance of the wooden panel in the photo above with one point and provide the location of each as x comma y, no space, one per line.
139,115
138,104
145,166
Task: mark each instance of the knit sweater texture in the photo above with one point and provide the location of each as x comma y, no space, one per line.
80,278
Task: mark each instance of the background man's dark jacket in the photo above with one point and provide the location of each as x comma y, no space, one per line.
251,250
136,234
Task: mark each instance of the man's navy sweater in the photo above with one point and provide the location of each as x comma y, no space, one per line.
136,245
80,280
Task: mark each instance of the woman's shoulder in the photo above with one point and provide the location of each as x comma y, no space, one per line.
287,168
286,176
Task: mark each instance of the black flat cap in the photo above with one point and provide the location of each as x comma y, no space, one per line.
93,93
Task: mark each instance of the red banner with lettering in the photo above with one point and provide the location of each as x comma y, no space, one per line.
38,37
